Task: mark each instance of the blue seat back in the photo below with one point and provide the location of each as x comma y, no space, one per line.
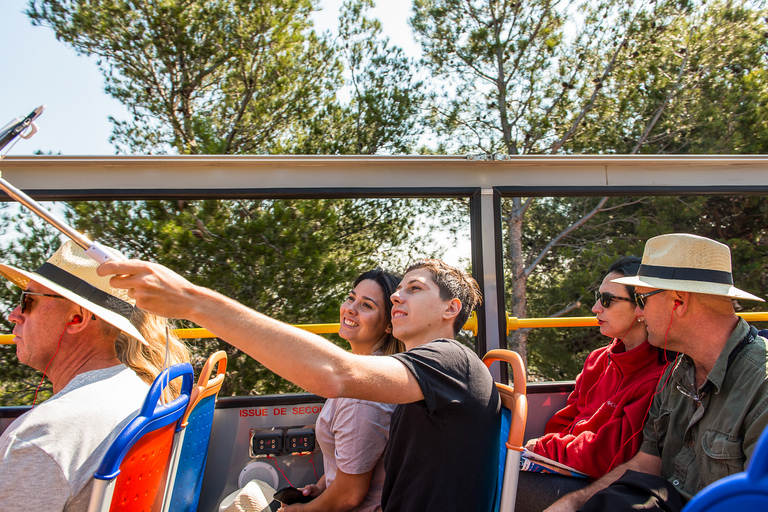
506,422
188,466
514,414
152,416
194,451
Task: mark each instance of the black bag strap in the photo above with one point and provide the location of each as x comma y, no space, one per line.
752,332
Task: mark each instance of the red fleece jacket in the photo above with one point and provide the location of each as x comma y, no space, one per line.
601,425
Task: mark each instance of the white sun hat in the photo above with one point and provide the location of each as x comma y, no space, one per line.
687,263
72,274
255,496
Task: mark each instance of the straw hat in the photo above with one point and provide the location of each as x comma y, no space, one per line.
255,496
687,263
69,272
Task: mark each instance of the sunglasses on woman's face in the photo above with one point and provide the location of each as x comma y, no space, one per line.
25,298
640,297
605,298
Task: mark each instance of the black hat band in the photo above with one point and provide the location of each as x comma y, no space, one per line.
85,290
686,274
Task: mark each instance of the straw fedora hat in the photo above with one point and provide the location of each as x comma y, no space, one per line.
687,263
255,496
72,274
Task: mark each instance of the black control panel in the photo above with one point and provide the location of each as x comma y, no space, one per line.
300,440
279,441
267,442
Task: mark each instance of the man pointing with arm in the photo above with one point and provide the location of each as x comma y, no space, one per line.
446,395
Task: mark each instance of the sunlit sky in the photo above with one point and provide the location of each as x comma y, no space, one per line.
37,70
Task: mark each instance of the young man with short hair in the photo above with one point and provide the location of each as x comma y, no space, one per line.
444,437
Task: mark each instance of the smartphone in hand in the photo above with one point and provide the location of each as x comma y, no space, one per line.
288,495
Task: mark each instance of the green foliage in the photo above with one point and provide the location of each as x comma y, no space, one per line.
514,79
202,76
243,77
385,98
692,82
582,262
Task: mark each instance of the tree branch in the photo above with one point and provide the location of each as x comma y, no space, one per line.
552,243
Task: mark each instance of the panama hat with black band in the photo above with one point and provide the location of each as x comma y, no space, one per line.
687,263
72,274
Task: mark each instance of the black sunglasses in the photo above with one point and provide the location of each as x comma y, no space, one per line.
605,298
24,299
640,297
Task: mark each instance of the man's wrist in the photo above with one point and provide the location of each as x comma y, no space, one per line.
577,499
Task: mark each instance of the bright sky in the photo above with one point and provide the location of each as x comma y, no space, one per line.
38,70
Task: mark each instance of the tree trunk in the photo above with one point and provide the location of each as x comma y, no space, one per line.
517,340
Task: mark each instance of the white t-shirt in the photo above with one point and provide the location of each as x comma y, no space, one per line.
353,434
48,455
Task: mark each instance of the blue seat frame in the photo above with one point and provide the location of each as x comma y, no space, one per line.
153,416
191,443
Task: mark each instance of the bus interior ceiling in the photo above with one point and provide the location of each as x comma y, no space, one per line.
280,426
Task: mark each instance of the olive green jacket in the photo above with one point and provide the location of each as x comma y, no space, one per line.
701,441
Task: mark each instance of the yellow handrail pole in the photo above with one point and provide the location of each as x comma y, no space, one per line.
471,325
587,321
514,323
197,332
204,333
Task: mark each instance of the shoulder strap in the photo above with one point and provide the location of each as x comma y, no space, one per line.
746,340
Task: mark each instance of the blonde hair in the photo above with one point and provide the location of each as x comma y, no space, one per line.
149,360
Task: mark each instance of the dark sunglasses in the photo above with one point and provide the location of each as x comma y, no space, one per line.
24,299
640,297
605,298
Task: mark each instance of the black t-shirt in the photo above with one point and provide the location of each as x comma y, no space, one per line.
443,451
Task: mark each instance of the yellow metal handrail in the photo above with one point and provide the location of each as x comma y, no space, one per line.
588,321
513,323
7,339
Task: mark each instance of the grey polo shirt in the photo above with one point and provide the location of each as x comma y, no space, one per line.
700,442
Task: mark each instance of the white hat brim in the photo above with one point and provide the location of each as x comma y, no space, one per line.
255,496
21,278
723,290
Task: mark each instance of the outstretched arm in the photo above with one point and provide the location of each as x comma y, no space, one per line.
641,462
305,359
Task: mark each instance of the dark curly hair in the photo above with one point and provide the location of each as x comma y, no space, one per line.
388,282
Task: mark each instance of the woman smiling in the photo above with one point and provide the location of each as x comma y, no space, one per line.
353,433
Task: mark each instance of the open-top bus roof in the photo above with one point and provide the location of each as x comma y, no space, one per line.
113,177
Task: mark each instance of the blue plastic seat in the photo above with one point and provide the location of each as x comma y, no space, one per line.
191,445
133,473
514,415
745,491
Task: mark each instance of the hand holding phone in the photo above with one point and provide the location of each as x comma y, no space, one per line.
288,495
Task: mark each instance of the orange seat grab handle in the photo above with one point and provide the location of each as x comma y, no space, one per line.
512,397
515,362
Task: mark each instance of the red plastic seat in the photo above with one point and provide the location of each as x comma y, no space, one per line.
133,473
